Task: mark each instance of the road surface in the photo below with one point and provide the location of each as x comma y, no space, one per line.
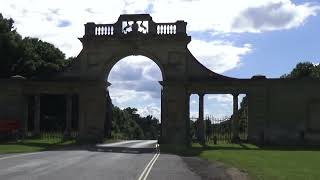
137,160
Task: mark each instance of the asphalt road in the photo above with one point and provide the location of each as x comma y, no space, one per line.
137,160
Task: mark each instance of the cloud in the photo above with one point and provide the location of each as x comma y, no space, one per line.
152,88
135,68
220,98
273,16
235,16
219,56
63,23
42,18
151,109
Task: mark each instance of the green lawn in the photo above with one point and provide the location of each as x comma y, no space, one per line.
42,144
261,163
34,144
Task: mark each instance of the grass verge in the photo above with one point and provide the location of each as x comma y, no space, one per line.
43,144
35,144
277,163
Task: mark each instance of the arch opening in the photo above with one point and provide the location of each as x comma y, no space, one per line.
137,56
218,118
135,93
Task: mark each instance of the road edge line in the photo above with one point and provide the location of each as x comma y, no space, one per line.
19,155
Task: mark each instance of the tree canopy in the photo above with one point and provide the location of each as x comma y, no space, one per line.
304,70
28,57
128,124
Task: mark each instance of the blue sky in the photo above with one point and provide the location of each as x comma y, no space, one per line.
234,38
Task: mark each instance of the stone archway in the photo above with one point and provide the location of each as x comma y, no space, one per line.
281,111
164,43
104,45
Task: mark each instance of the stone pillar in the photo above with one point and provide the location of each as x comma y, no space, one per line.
161,117
188,119
235,119
92,111
37,112
108,120
201,128
25,115
89,29
68,115
174,114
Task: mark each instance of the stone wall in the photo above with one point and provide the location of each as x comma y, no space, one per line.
285,112
12,102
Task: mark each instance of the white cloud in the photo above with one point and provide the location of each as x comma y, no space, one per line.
220,98
123,96
219,56
194,114
151,109
273,16
40,18
135,68
235,16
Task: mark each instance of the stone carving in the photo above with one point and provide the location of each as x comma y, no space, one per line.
135,28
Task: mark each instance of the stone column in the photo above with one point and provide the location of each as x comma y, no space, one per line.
92,111
37,112
161,118
201,128
25,115
235,119
68,114
174,113
188,118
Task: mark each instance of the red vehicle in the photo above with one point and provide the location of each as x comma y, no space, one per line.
9,129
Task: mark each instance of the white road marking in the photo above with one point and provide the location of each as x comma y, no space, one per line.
148,168
19,155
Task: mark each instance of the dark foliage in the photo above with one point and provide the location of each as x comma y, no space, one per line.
128,124
28,56
304,70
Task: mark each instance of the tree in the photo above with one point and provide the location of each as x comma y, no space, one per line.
149,124
128,124
304,70
28,57
10,46
39,59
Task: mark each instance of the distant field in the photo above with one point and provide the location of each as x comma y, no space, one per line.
272,163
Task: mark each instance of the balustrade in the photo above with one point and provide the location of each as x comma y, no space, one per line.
166,28
104,30
135,25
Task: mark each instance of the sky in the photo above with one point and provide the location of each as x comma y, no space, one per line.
235,38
